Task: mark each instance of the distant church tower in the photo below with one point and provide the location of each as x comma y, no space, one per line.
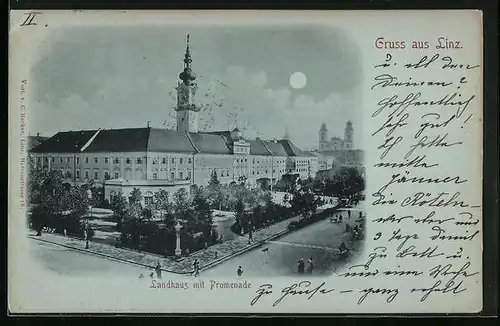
286,136
323,137
348,135
187,112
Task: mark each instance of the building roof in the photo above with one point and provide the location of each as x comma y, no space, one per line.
34,141
120,140
65,142
210,143
257,147
162,140
276,148
292,150
158,140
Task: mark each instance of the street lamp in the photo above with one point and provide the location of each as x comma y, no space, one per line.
89,194
178,250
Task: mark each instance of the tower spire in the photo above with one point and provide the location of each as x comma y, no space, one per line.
187,56
187,76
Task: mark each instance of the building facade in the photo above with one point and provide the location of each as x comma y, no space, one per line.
152,159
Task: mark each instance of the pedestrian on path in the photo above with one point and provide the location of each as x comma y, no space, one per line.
266,252
196,267
250,236
152,275
141,276
349,214
310,265
239,271
301,266
158,270
65,233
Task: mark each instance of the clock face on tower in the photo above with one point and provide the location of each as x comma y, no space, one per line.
183,97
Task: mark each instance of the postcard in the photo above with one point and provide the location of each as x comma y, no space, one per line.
284,162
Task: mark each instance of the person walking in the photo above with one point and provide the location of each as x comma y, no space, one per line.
239,271
349,214
158,270
196,267
250,236
310,265
301,266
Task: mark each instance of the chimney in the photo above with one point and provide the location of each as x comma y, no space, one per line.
149,124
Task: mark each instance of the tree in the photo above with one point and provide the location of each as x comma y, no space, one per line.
239,210
49,190
202,211
119,207
75,201
182,205
215,190
162,202
135,196
36,178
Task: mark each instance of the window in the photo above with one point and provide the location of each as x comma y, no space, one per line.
116,175
86,174
172,176
77,160
173,160
46,159
106,160
180,160
96,174
96,160
60,160
266,171
106,176
148,200
139,160
164,161
155,161
180,175
86,160
128,160
189,160
68,174
117,160
52,160
253,172
78,174
155,175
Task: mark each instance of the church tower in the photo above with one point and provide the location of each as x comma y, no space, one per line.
323,137
348,135
187,112
287,135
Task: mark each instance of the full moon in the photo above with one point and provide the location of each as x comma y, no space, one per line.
298,80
